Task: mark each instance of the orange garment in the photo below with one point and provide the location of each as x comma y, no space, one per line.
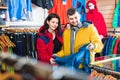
61,9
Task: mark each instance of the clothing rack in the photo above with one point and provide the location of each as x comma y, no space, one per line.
106,71
24,39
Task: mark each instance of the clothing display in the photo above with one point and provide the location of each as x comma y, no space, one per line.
96,17
111,45
116,18
24,42
43,3
80,5
109,65
68,48
20,10
60,7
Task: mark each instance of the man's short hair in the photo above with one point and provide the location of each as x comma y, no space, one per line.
71,11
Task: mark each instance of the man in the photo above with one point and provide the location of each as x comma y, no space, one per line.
78,34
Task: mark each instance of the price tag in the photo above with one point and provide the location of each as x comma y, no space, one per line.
64,2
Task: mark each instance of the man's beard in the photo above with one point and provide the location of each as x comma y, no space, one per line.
78,25
73,25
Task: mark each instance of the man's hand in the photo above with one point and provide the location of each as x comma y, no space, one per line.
90,46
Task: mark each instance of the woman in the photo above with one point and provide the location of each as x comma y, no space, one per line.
49,41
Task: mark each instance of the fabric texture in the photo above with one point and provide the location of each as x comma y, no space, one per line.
74,60
97,18
107,43
43,3
45,44
116,17
116,46
113,44
20,10
60,7
80,5
57,45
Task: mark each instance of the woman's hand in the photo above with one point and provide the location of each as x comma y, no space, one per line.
54,55
52,61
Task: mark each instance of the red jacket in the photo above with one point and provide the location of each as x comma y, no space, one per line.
44,44
61,9
97,18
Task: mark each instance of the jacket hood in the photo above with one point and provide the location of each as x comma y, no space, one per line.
93,2
44,32
40,31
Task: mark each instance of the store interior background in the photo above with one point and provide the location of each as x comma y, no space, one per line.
106,7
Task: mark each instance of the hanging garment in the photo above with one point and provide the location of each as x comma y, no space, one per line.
113,44
107,44
61,7
116,46
25,44
43,3
116,18
118,50
119,17
20,9
97,18
74,60
29,10
80,5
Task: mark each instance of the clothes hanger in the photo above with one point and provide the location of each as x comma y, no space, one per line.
7,76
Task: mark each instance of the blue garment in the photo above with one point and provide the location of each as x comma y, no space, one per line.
74,60
119,18
80,5
118,65
110,45
18,9
105,50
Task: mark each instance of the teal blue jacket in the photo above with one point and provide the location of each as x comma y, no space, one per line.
116,14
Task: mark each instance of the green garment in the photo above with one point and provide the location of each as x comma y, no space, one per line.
115,17
113,44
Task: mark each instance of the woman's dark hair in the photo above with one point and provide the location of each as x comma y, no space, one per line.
49,17
71,11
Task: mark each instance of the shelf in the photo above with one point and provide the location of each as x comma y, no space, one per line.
1,7
4,26
24,24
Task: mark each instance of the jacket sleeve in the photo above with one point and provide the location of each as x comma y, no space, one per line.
42,51
95,39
